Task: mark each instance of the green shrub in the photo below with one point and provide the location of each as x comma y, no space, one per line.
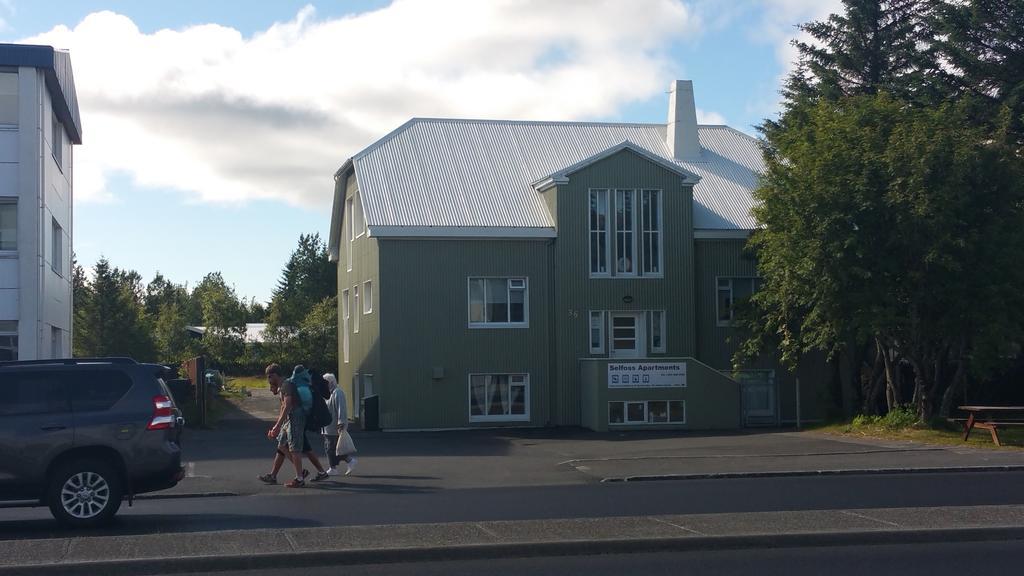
899,417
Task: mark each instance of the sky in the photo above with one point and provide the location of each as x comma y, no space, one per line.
212,130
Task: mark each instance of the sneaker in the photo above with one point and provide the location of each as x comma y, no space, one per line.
296,483
268,479
350,465
319,476
332,471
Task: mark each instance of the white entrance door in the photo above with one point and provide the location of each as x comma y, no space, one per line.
627,335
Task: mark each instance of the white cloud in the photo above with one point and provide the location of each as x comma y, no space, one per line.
706,117
780,20
228,118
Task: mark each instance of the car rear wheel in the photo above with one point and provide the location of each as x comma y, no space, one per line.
85,493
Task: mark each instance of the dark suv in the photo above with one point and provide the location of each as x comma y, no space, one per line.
80,435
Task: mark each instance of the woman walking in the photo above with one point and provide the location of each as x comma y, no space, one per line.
338,406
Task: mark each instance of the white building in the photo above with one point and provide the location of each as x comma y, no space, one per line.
39,123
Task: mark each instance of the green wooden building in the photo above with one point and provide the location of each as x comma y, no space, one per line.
512,273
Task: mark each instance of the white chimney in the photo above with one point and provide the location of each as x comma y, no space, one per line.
681,135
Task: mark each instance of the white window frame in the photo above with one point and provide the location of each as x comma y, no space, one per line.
647,412
508,298
355,309
602,325
56,247
345,314
368,297
358,220
351,229
525,381
654,235
607,232
732,299
13,203
662,324
639,237
632,232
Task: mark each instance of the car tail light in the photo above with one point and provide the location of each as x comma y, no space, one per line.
163,414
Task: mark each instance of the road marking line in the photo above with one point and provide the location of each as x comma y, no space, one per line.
488,531
674,525
866,517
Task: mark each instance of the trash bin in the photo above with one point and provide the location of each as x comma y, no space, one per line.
371,413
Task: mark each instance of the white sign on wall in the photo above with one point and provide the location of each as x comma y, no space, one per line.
646,374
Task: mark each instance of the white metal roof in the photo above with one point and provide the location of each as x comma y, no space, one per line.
450,174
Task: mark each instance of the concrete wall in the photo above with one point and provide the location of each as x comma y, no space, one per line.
711,400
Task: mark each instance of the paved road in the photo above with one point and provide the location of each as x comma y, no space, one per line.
932,559
358,505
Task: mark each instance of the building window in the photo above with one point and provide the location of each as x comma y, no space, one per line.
597,336
647,412
598,232
498,302
345,314
9,98
8,340
625,236
8,224
56,349
731,293
650,226
367,297
494,397
57,248
367,385
57,142
351,231
358,220
355,309
633,241
656,331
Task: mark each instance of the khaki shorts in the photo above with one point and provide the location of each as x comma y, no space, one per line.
293,435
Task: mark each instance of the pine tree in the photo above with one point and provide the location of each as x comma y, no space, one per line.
982,43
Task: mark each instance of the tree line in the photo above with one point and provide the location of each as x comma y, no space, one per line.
117,314
892,208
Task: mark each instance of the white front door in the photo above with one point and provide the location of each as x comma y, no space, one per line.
627,335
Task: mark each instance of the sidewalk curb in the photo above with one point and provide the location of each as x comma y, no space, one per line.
158,496
156,565
789,473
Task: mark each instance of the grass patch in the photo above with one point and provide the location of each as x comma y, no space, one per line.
248,382
900,424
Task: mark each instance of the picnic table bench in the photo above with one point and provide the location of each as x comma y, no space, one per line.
992,418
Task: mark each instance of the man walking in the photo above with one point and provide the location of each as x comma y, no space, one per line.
289,430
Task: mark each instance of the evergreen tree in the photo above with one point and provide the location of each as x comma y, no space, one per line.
112,321
308,277
982,44
872,46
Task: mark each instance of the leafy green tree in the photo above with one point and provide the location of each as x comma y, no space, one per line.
895,225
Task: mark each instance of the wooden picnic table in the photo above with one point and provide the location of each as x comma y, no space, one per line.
992,418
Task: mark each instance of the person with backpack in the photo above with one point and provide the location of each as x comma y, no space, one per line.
291,428
316,415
